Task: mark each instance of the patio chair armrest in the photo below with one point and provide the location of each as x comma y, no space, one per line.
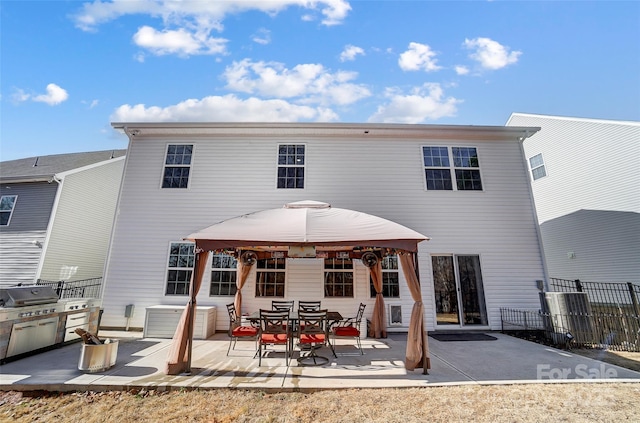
351,321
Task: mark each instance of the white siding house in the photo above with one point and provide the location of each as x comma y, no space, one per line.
465,187
57,215
586,185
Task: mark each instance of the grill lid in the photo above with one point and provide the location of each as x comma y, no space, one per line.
22,296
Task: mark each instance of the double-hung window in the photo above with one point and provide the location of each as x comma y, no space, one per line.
180,267
223,275
537,167
7,204
338,277
177,166
452,168
270,277
291,163
390,281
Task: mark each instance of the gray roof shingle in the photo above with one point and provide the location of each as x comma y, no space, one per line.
46,166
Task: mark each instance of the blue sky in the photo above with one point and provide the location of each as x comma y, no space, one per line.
70,68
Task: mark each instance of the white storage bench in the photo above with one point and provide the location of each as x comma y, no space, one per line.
161,321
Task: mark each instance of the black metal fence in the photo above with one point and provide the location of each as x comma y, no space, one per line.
86,288
605,297
617,331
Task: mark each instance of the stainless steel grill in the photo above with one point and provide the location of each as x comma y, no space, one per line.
23,296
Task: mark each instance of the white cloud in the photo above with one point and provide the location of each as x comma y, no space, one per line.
228,108
55,95
90,104
418,57
310,83
202,14
180,42
19,95
262,36
423,103
461,70
491,54
350,52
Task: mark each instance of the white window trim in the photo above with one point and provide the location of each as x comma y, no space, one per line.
262,269
15,201
278,166
190,166
167,269
223,269
353,278
543,165
452,168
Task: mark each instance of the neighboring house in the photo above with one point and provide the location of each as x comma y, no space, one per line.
465,187
586,184
56,215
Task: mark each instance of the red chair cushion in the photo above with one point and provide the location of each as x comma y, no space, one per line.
346,331
268,338
245,331
312,338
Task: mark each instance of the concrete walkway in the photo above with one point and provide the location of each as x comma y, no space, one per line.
140,363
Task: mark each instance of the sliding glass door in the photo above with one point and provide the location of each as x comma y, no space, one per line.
459,291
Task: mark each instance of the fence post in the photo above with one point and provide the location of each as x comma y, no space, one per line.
634,299
578,285
60,288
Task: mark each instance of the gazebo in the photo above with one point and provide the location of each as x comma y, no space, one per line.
306,229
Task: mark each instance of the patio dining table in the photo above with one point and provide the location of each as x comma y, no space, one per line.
333,317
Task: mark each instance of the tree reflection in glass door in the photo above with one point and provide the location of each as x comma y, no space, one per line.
459,291
446,292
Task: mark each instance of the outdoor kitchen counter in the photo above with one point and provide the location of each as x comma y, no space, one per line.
58,310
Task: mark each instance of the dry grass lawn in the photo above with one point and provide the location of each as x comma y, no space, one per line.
593,402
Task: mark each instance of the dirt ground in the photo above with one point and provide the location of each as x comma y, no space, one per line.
629,360
577,402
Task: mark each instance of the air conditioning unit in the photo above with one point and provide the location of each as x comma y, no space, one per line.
570,317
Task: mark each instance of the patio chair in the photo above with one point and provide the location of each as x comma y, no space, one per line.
274,330
237,330
282,305
309,305
312,334
348,328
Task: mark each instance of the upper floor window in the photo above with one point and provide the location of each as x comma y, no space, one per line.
446,165
223,275
180,267
291,166
270,277
177,165
390,280
537,166
338,277
7,203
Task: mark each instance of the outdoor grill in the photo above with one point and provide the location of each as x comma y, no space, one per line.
22,296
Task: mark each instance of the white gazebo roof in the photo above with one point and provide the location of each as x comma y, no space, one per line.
307,223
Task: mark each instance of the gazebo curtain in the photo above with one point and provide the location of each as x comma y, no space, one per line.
417,354
179,359
241,277
378,319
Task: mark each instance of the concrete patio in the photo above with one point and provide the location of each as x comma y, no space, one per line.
140,363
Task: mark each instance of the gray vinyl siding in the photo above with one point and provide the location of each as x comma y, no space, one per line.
589,202
33,206
19,255
383,177
81,227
